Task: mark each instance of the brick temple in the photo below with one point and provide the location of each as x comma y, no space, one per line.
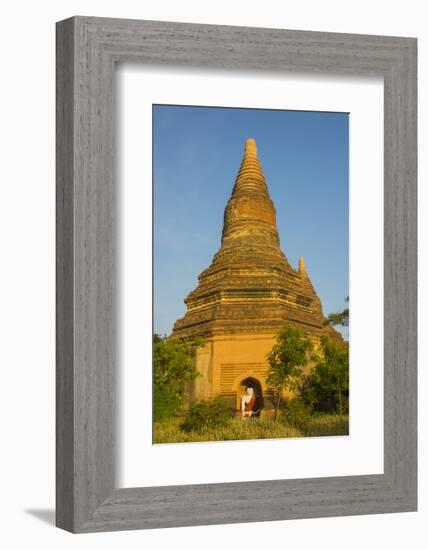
247,294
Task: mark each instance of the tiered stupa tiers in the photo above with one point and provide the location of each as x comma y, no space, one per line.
250,286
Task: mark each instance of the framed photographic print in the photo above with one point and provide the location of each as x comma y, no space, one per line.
236,274
238,367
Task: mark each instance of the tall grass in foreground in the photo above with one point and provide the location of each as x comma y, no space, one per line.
328,424
262,428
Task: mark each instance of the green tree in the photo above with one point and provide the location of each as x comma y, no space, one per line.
286,361
330,375
173,370
296,413
340,317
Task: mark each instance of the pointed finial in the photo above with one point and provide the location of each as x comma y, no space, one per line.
302,266
250,148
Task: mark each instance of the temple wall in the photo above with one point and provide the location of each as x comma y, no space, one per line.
203,385
225,361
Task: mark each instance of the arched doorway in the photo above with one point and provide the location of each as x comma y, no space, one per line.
252,382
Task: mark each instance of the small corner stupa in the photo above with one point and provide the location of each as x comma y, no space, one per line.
247,294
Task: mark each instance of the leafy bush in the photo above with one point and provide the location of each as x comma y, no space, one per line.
296,413
206,414
326,389
166,403
173,371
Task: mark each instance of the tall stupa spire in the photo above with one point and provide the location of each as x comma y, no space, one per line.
250,285
250,216
250,176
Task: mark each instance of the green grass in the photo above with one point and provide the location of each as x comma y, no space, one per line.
328,424
262,428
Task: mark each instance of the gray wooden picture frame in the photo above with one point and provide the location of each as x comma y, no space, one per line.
87,51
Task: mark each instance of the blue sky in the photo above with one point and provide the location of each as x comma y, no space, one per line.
196,156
